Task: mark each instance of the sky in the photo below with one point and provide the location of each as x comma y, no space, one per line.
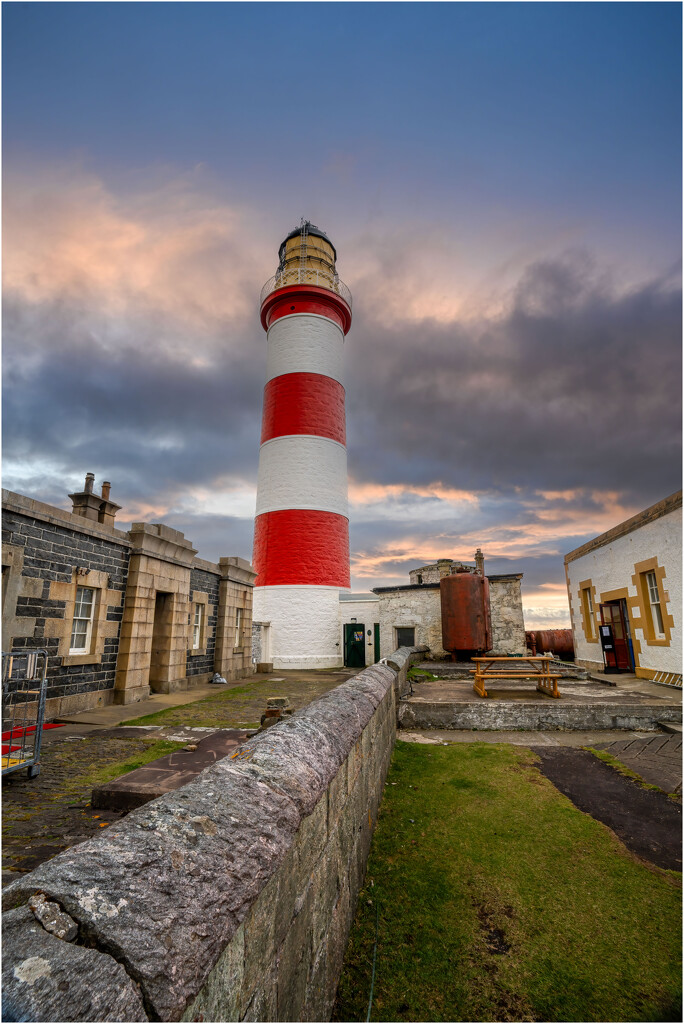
502,182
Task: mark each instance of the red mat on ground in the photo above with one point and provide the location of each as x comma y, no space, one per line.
13,733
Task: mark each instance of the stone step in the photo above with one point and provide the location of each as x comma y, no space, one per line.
166,773
673,727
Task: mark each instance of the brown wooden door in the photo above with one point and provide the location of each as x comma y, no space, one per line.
612,614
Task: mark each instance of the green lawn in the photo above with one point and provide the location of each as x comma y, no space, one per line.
498,900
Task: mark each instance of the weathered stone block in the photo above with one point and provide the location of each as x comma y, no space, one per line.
260,945
313,835
47,979
220,996
294,960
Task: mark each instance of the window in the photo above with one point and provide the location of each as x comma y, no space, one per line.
238,627
654,602
82,627
588,613
406,636
197,625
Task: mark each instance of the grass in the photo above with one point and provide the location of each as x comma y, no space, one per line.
498,900
237,706
220,708
628,773
419,675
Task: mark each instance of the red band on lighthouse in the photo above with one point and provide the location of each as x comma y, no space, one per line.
281,537
303,403
294,299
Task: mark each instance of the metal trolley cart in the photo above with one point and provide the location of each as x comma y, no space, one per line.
24,685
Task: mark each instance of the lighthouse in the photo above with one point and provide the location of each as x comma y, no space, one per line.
301,532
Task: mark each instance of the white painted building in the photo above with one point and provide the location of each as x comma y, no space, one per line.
630,579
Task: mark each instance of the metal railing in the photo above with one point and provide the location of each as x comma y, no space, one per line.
306,275
24,686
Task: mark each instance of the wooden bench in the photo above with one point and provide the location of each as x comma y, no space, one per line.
530,668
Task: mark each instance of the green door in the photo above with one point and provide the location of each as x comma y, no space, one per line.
354,647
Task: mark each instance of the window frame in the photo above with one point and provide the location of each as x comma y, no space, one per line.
89,620
197,623
397,630
657,621
239,627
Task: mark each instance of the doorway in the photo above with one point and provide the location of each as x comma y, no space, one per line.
160,658
354,646
614,614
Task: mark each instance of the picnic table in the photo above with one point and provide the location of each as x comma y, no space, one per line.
536,668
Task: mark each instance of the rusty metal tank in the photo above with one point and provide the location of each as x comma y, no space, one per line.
466,618
558,642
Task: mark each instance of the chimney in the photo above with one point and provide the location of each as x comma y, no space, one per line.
97,508
479,562
444,567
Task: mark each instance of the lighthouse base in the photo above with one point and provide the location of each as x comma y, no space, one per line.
303,626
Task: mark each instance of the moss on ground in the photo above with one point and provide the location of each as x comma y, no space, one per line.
239,706
498,900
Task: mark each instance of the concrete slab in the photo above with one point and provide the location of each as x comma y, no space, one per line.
166,773
584,705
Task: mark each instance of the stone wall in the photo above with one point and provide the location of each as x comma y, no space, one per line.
204,585
417,606
508,625
230,899
45,559
420,606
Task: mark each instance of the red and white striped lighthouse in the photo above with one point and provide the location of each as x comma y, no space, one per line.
301,533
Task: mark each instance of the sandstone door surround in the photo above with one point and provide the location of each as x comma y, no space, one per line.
152,654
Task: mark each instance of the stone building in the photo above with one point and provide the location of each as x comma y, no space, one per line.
121,613
409,614
630,580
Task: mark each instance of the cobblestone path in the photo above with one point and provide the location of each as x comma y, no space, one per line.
52,812
658,759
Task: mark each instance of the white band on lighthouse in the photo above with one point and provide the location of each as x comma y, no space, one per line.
303,625
302,472
305,343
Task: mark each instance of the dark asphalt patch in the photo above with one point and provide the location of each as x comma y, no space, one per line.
647,822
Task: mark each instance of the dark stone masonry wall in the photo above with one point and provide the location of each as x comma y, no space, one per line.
206,583
51,553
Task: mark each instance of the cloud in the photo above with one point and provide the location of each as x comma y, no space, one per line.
577,385
522,408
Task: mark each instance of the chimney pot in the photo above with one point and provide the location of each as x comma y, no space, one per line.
89,481
106,487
